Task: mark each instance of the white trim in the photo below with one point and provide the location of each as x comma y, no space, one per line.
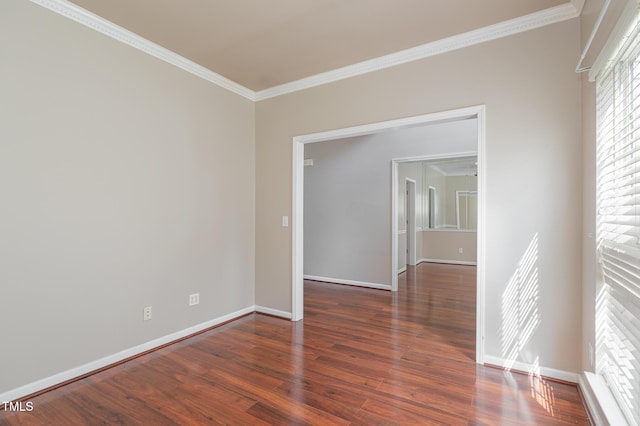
274,312
602,406
348,282
521,24
613,42
402,231
75,372
411,254
298,193
481,238
394,219
297,232
525,367
401,270
452,262
448,230
594,31
432,196
372,128
462,154
116,32
597,416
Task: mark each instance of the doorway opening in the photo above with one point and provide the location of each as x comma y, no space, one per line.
297,219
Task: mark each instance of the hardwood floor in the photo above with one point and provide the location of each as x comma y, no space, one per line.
360,357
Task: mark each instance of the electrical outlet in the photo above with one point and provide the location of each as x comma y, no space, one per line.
146,313
194,299
460,250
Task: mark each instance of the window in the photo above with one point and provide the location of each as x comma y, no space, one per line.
618,224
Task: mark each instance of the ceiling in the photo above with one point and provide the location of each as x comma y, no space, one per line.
261,44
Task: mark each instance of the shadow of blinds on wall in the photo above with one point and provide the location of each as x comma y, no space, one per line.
618,225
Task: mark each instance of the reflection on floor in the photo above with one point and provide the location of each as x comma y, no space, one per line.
359,357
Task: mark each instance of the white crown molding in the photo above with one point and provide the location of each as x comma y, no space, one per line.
532,21
101,25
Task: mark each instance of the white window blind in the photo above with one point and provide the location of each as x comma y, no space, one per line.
618,233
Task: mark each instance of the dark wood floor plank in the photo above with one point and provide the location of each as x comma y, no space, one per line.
360,357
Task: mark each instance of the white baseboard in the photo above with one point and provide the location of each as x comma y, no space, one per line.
524,367
274,312
453,262
75,372
348,282
602,407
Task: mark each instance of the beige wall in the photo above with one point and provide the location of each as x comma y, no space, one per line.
440,245
125,183
532,96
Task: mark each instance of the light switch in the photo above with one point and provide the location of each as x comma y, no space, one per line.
285,221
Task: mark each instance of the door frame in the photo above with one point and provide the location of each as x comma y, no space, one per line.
410,216
431,224
297,216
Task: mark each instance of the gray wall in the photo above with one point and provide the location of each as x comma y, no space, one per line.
124,182
347,197
533,102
